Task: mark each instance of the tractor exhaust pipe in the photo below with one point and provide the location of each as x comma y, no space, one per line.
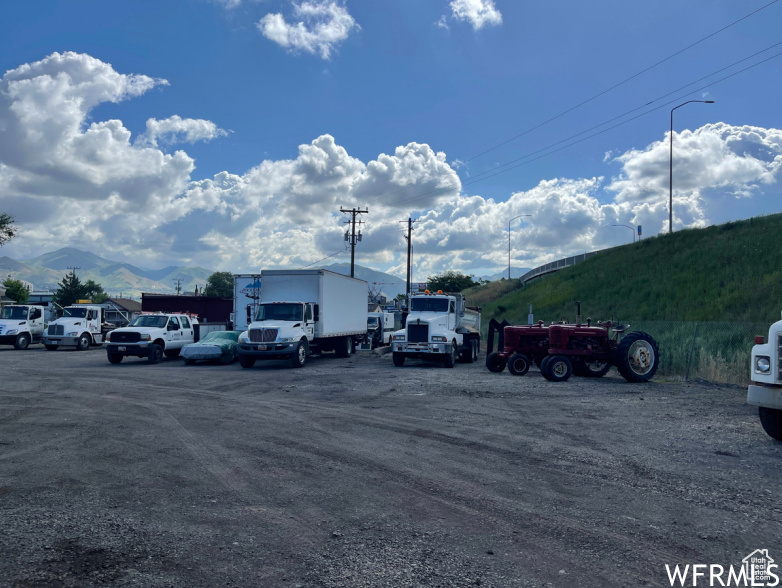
578,314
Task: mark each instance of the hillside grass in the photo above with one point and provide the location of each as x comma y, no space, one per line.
730,272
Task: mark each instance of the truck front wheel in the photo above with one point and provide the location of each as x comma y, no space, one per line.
300,356
155,353
22,342
450,358
114,358
399,359
83,342
246,361
771,419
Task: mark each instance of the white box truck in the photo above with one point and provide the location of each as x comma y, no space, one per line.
21,324
247,294
302,313
765,372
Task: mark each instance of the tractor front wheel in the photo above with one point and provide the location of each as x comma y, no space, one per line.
518,364
495,362
557,369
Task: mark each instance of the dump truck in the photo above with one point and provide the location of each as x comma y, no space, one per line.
439,327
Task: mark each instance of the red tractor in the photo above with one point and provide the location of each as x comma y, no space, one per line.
562,349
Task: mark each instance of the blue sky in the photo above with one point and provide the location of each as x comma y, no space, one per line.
228,133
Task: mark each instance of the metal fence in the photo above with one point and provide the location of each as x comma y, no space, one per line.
715,351
556,265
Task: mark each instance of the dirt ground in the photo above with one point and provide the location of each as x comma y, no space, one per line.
351,472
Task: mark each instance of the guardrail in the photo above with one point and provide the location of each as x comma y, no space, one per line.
554,266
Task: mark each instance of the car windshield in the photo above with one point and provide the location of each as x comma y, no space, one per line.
426,304
286,311
74,312
372,321
18,313
149,321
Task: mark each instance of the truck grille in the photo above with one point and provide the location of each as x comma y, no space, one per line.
125,337
56,330
263,335
418,333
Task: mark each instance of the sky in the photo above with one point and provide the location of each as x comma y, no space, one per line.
228,134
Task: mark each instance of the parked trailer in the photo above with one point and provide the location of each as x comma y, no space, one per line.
302,313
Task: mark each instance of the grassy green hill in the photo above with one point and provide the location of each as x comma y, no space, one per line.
730,272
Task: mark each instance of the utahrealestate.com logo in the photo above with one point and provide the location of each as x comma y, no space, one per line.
757,569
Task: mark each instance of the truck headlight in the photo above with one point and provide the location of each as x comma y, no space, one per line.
762,364
12,332
243,338
399,337
72,334
288,339
108,337
438,339
146,337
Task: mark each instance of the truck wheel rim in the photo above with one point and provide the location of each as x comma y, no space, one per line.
559,369
641,357
302,353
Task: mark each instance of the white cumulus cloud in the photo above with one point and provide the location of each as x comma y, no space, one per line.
478,13
320,26
176,129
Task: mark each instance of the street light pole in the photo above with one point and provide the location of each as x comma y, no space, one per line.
509,222
629,227
670,165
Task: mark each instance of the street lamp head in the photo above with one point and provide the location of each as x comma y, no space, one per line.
709,101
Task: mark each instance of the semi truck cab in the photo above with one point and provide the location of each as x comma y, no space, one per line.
21,324
765,391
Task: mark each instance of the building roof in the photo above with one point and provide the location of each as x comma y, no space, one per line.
126,304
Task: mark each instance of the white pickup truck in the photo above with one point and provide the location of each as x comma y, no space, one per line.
21,324
440,327
765,371
151,336
80,326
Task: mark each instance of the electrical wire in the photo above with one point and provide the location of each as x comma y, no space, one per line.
632,77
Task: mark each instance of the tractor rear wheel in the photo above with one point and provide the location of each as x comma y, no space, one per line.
637,357
518,364
495,362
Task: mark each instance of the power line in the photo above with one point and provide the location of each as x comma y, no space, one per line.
632,77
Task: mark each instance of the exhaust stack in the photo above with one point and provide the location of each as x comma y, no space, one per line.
578,314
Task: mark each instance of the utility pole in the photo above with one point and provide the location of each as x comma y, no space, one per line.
352,237
178,283
73,269
409,238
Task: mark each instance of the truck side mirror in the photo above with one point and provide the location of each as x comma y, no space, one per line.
249,314
317,313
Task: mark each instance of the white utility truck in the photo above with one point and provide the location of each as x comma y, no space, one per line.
380,327
21,324
80,326
305,312
247,294
151,336
438,327
765,372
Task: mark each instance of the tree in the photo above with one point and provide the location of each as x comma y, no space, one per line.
449,281
220,284
7,232
72,290
16,290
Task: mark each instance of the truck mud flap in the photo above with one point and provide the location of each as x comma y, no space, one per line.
496,327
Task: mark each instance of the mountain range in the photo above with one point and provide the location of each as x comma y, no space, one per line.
127,280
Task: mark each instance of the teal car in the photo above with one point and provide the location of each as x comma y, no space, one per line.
215,346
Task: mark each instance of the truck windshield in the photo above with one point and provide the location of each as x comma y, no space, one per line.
74,312
279,312
426,304
149,321
18,313
372,321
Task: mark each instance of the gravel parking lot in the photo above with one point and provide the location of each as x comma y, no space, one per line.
351,472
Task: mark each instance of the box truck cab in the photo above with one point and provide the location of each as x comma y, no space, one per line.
80,326
380,327
21,324
765,371
302,313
